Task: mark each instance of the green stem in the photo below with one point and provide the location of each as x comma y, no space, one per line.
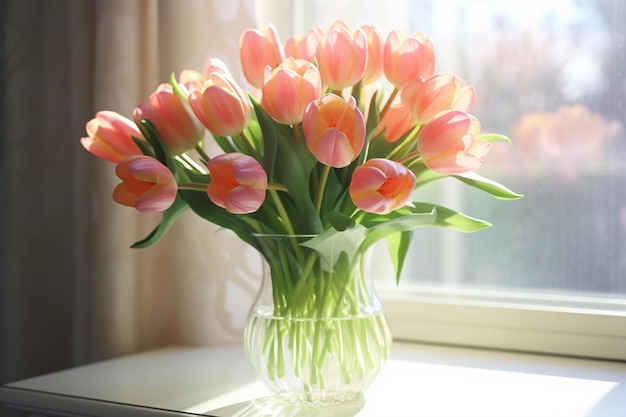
288,225
322,186
296,132
406,144
248,143
202,154
393,95
193,186
282,212
190,163
277,186
410,158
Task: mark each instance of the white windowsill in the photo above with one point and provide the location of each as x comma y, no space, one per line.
419,380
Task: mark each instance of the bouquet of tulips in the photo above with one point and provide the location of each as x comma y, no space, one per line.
317,151
315,147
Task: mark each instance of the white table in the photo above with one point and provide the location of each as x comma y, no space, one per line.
419,380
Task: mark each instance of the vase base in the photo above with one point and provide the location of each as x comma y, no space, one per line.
318,398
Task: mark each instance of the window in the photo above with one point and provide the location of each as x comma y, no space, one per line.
550,276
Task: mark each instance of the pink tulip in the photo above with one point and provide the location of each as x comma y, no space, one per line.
304,47
259,50
396,122
407,58
342,56
238,183
188,77
381,186
334,130
169,115
110,137
437,93
215,65
449,144
220,104
147,184
375,45
289,88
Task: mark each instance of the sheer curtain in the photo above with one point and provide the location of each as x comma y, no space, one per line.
72,291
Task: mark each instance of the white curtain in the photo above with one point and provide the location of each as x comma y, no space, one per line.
72,290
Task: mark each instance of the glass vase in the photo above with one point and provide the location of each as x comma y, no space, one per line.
316,333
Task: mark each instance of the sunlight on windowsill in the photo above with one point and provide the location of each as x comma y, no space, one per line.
420,384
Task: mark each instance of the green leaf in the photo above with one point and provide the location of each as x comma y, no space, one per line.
423,175
169,217
177,90
270,141
398,244
403,223
492,187
289,162
373,117
144,146
451,219
160,149
340,221
494,137
331,243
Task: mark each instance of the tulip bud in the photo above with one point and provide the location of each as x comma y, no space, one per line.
375,45
407,58
147,184
449,144
381,186
238,183
258,50
304,47
220,104
171,119
440,92
334,130
110,137
342,56
289,88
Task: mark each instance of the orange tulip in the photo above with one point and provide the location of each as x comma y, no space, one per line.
334,130
147,184
110,137
289,88
238,183
342,56
375,45
169,115
406,58
220,104
304,47
381,186
258,50
437,93
449,144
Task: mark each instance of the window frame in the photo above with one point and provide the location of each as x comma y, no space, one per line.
540,323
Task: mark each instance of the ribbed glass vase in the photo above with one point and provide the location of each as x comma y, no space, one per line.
316,333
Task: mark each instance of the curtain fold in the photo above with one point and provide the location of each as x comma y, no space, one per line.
72,290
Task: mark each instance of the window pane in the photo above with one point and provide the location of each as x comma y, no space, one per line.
551,75
553,80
